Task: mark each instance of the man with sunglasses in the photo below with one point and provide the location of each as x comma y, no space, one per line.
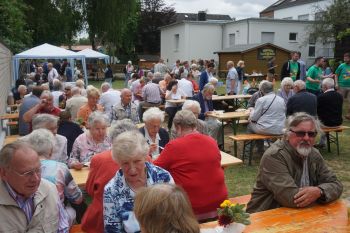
27,203
292,172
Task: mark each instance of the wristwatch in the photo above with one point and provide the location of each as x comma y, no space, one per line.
322,193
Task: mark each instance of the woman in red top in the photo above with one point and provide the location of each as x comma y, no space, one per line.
193,160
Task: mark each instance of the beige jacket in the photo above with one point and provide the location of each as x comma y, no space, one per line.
279,178
45,217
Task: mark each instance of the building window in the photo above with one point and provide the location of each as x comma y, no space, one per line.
293,36
319,15
176,40
232,39
303,17
267,37
289,18
312,46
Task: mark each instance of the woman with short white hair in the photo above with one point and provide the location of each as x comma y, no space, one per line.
286,90
42,141
93,141
129,150
50,122
156,136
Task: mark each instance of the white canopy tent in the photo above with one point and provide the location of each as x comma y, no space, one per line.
47,51
89,53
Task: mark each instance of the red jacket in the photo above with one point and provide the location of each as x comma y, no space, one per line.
194,163
102,170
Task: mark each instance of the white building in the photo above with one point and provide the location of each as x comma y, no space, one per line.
295,9
200,39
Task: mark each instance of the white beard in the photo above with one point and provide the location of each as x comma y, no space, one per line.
304,150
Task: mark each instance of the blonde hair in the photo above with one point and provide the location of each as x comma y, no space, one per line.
165,208
240,63
93,92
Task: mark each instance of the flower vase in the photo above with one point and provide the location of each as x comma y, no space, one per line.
233,228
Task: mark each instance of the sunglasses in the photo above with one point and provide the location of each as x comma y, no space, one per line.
302,134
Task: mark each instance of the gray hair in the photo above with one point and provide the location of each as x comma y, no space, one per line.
297,118
157,75
42,141
286,81
97,117
300,84
213,81
76,90
266,87
128,145
150,75
328,83
46,93
185,119
121,126
105,85
43,120
189,104
9,150
57,85
208,87
153,113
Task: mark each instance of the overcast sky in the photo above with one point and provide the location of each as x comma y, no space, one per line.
238,9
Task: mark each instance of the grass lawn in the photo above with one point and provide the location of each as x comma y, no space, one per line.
241,179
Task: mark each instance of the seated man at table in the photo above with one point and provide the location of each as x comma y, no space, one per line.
302,101
292,173
204,98
28,203
126,108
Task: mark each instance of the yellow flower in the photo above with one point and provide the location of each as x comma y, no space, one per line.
233,205
226,203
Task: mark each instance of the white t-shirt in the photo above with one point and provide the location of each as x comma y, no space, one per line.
174,96
186,87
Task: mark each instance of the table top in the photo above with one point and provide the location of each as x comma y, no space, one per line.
229,115
179,101
230,97
80,176
10,139
9,116
332,217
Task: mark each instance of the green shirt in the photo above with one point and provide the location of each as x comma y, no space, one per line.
315,73
343,73
294,68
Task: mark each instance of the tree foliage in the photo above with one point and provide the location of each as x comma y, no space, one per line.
112,23
13,31
333,22
154,14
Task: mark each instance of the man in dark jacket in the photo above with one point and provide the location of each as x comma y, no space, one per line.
292,172
291,68
302,101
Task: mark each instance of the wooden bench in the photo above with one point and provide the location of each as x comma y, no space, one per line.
331,138
248,139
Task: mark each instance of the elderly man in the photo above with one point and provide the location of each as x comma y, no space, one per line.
231,79
292,173
45,106
160,67
109,97
126,108
73,104
28,203
302,101
53,74
151,95
204,98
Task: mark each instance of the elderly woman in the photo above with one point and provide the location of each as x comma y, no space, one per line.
164,208
50,122
102,170
130,150
172,93
80,83
93,141
156,136
58,173
93,95
286,90
183,158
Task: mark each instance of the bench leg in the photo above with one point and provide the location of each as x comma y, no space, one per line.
251,152
337,142
328,142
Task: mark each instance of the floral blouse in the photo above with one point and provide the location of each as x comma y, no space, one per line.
84,148
118,200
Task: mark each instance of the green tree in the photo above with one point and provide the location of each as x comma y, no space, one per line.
112,23
12,25
154,14
333,24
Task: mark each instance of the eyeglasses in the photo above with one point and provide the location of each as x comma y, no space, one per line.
301,134
31,173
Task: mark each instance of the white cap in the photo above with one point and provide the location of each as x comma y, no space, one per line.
129,62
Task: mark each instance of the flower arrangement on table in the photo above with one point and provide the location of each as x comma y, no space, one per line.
232,213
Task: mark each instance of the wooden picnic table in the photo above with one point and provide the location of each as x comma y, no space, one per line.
230,97
332,217
10,116
177,102
80,176
10,139
230,116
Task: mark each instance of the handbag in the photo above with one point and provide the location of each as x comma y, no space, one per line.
256,122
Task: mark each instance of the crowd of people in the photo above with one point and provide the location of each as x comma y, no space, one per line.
136,170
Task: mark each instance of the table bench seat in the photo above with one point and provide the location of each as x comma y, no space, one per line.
331,138
249,139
